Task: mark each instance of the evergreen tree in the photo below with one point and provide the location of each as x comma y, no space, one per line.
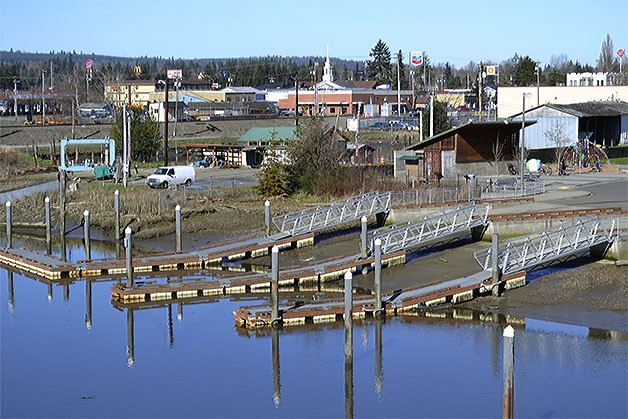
145,134
379,68
525,72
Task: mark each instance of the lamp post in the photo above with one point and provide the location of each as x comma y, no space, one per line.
538,85
522,140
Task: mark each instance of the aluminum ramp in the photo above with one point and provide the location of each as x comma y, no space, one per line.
568,238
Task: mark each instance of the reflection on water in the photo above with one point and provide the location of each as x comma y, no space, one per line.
70,352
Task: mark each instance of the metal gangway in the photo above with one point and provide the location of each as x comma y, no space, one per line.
324,216
567,239
432,227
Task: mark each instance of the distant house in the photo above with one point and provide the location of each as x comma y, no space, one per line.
258,140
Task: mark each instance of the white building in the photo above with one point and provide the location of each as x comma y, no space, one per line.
587,79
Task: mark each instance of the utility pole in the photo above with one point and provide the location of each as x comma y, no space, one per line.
522,141
431,115
538,85
480,85
296,104
15,81
43,102
398,84
166,126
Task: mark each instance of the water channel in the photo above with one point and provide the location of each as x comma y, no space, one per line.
68,351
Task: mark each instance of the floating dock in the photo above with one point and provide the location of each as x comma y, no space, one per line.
401,302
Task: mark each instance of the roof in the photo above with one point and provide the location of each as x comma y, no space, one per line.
587,109
240,89
471,127
411,158
267,134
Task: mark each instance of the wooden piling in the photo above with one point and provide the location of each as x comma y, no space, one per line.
378,279
177,213
274,287
88,304
494,264
276,368
267,216
363,237
509,373
9,225
348,317
86,235
116,208
48,225
129,256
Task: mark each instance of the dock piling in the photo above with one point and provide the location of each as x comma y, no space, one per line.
494,264
274,288
48,225
116,208
348,317
9,226
129,256
267,216
88,250
379,312
177,213
509,373
363,236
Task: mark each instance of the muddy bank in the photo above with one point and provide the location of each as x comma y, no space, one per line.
594,295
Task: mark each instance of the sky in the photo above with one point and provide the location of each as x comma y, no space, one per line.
453,31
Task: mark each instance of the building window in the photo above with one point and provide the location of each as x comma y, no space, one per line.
344,110
332,109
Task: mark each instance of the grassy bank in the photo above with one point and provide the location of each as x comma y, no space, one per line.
150,213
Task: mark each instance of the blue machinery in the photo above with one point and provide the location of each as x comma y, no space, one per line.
87,165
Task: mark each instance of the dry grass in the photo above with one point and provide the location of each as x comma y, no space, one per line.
150,213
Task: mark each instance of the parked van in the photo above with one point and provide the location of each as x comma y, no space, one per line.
171,175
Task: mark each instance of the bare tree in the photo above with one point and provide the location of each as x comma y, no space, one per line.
498,152
557,136
607,62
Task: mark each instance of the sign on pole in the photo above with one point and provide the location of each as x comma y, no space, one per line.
416,58
174,74
89,64
621,52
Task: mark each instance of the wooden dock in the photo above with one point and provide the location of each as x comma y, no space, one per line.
447,292
52,267
307,278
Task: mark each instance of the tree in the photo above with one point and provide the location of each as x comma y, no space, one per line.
315,158
145,134
525,72
497,147
556,134
403,78
380,69
607,62
441,120
273,178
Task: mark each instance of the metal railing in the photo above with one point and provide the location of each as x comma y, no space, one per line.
539,248
435,226
436,195
512,188
324,216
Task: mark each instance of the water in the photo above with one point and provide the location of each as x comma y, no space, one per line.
55,363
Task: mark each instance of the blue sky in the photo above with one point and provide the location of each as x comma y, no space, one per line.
453,31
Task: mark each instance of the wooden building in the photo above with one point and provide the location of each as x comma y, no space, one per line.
471,148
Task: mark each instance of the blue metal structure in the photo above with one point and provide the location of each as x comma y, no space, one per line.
86,165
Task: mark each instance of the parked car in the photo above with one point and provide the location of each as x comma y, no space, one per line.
379,126
171,175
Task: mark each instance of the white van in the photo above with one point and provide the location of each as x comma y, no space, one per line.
171,175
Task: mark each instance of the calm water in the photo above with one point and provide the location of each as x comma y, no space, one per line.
190,361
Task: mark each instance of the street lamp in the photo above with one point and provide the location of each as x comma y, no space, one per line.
522,140
538,84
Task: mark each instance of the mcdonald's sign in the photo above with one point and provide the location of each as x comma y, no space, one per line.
138,70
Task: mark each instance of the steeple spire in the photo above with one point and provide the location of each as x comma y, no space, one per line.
327,74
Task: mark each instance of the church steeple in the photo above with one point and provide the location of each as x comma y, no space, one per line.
327,74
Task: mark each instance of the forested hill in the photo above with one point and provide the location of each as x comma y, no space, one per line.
252,71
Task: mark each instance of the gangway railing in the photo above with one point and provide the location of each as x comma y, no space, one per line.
324,216
431,227
568,238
